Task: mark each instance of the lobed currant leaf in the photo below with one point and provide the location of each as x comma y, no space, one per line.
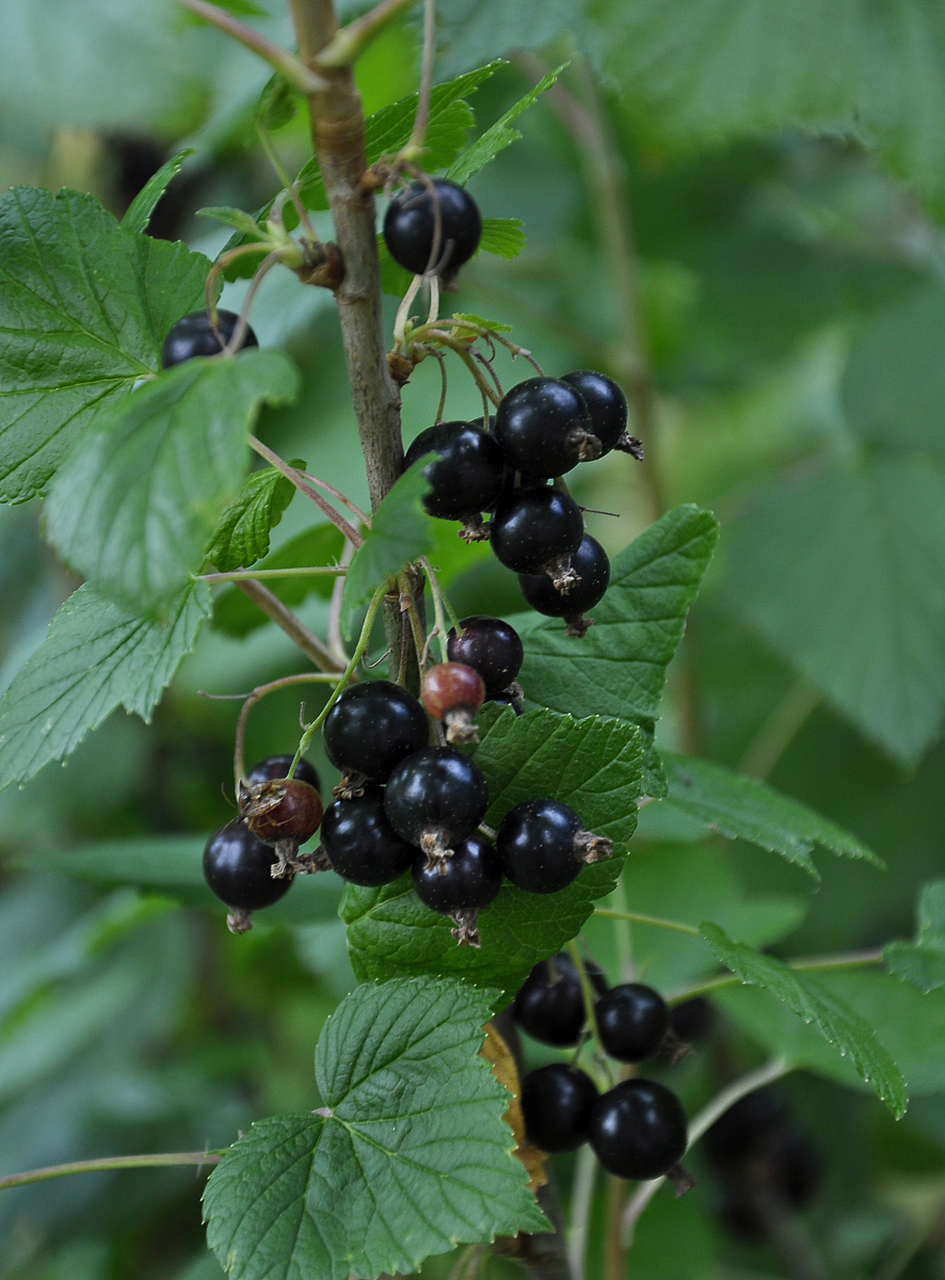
500,135
242,536
138,214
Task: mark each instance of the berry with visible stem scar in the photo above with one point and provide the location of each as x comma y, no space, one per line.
536,530
632,1021
276,767
238,869
453,693
360,843
549,1004
556,1107
607,408
193,336
458,886
283,813
543,846
638,1130
544,428
432,226
434,799
370,729
466,478
592,567
491,647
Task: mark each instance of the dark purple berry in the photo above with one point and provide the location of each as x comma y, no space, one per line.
491,647
592,567
238,868
470,879
534,527
638,1129
543,846
453,693
632,1021
193,336
436,798
692,1020
372,727
275,767
467,476
549,1004
556,1107
432,226
544,428
360,843
605,402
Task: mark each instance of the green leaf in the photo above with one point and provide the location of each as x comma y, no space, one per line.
239,219
84,307
242,536
278,103
96,656
400,532
922,963
138,214
591,764
493,326
836,1022
134,505
237,616
500,135
505,237
700,71
469,31
389,130
409,1155
619,668
845,578
745,809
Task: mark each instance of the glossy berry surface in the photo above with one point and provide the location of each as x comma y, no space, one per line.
359,841
556,1107
192,336
471,878
590,562
632,1020
451,686
275,767
436,791
605,402
544,428
549,1004
535,841
533,526
286,809
638,1129
410,227
491,647
237,867
467,477
372,727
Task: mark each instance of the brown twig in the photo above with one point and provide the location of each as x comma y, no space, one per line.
293,474
310,645
297,74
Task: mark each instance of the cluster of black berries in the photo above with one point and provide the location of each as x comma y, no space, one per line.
638,1128
767,1166
542,428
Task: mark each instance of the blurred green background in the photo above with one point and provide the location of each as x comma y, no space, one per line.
747,236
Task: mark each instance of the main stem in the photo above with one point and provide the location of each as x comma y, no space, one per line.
337,124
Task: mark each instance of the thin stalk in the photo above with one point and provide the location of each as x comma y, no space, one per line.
261,575
305,677
413,613
242,323
403,312
351,41
336,493
803,964
313,648
582,1201
335,639
615,1249
295,476
707,1117
159,1161
221,264
279,59
634,917
415,146
282,174
623,934
439,616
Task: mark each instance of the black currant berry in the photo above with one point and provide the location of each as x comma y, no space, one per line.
359,841
453,693
284,809
592,566
460,885
692,1020
467,476
238,869
544,428
550,1003
372,727
193,336
607,408
276,767
632,1021
432,226
534,528
436,798
543,846
744,1129
491,647
638,1129
556,1107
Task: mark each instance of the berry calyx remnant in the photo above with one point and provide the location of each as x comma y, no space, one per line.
460,885
543,846
632,1021
638,1129
370,729
556,1106
452,693
194,336
549,1004
466,478
607,408
433,225
491,647
360,843
238,869
283,813
436,798
592,566
544,428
